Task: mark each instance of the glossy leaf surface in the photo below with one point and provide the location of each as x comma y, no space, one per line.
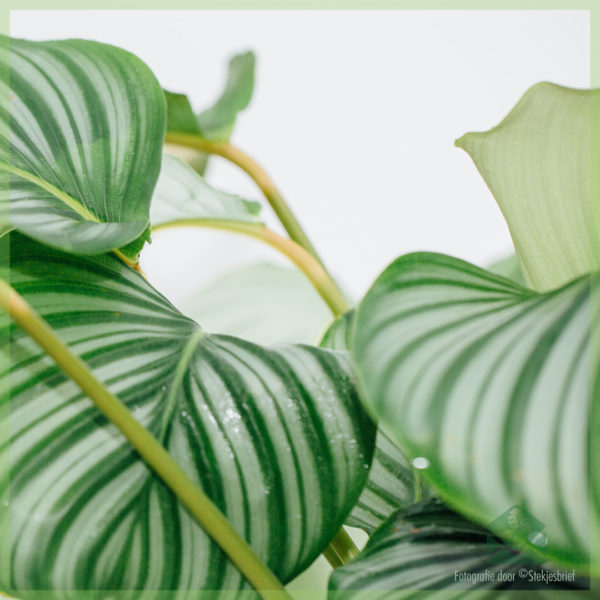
490,383
81,142
265,431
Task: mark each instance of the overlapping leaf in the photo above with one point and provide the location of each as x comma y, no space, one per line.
280,305
183,195
538,164
393,482
264,431
430,552
490,383
508,267
81,143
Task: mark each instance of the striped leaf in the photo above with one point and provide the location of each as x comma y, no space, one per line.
81,143
183,195
393,482
272,434
538,165
429,552
488,383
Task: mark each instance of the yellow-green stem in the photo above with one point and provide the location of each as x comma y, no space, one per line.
343,547
313,270
257,173
199,504
331,556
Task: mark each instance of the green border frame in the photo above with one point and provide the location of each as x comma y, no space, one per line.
593,6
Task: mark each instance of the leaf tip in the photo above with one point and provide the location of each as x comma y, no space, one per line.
463,142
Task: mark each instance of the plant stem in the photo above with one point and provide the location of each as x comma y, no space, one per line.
341,549
257,173
193,498
332,557
313,270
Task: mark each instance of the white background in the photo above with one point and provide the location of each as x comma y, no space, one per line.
354,116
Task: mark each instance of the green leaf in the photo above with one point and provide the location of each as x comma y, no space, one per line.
490,383
279,305
180,114
217,122
181,118
537,163
183,195
429,548
393,482
508,267
82,144
337,336
263,430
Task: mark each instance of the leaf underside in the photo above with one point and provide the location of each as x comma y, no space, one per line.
537,164
181,194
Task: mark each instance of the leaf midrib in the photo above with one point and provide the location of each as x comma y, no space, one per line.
57,193
180,370
64,197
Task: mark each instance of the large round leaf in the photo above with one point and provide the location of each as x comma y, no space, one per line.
430,552
81,143
273,435
490,383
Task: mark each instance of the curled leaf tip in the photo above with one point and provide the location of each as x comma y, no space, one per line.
537,164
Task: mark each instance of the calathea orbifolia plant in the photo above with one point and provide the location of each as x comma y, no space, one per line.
144,457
